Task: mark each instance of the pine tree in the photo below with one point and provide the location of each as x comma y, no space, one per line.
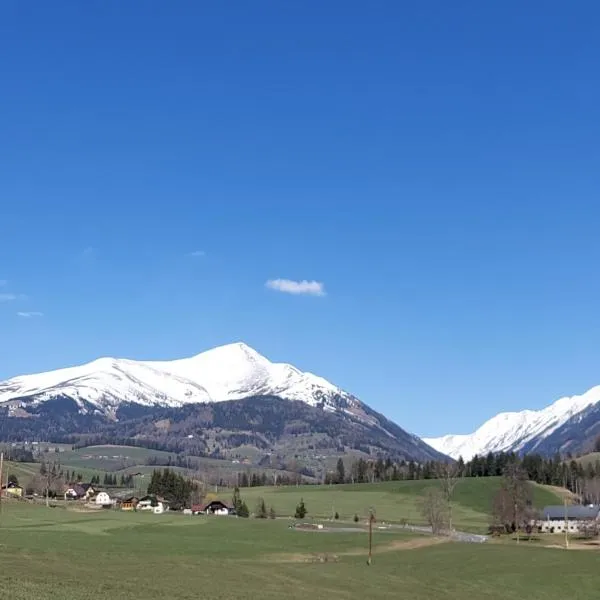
236,500
261,509
243,511
341,471
301,511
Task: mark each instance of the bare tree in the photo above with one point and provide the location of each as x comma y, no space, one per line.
434,508
512,506
448,475
49,480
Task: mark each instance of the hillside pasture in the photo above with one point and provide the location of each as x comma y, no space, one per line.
57,553
111,458
392,501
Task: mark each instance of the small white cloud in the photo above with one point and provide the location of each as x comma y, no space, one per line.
197,253
289,286
8,297
30,314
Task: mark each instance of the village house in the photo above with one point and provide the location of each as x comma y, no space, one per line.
12,489
156,504
558,519
129,503
103,499
214,507
79,491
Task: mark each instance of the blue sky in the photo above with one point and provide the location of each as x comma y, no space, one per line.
434,165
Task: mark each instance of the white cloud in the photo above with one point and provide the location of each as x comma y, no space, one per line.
197,253
30,315
8,297
289,286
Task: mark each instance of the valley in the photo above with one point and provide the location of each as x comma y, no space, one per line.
139,555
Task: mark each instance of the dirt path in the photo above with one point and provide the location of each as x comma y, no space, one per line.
400,545
396,545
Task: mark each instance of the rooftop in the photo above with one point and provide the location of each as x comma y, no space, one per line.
578,512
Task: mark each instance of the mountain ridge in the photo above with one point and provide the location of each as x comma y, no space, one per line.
541,430
87,398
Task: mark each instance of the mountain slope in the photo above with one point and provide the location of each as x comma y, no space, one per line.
123,396
564,426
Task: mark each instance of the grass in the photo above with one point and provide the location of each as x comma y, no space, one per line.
589,459
25,472
56,553
392,501
110,458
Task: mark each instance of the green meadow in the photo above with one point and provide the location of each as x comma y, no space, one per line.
395,501
54,553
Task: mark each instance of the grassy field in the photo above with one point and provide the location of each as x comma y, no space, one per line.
110,458
589,459
392,501
59,554
25,472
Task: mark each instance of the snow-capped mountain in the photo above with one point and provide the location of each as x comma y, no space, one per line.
122,398
225,373
527,431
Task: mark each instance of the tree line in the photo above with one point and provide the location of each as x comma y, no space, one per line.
571,474
179,491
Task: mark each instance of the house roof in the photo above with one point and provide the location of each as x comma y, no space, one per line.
154,497
578,512
78,489
203,507
12,486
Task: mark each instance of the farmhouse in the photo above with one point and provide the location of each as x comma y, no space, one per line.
12,489
558,519
79,491
214,507
130,503
156,504
103,499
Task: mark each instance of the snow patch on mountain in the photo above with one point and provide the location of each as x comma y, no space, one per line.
511,431
230,372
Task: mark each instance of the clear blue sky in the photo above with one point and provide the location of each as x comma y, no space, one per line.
435,165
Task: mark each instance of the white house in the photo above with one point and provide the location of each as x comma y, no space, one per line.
103,499
154,504
577,517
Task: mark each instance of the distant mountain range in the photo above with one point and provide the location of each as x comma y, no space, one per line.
569,425
215,402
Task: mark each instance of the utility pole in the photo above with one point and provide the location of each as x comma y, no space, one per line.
371,521
566,526
1,467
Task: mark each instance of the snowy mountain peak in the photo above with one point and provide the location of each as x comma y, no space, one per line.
514,431
229,372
